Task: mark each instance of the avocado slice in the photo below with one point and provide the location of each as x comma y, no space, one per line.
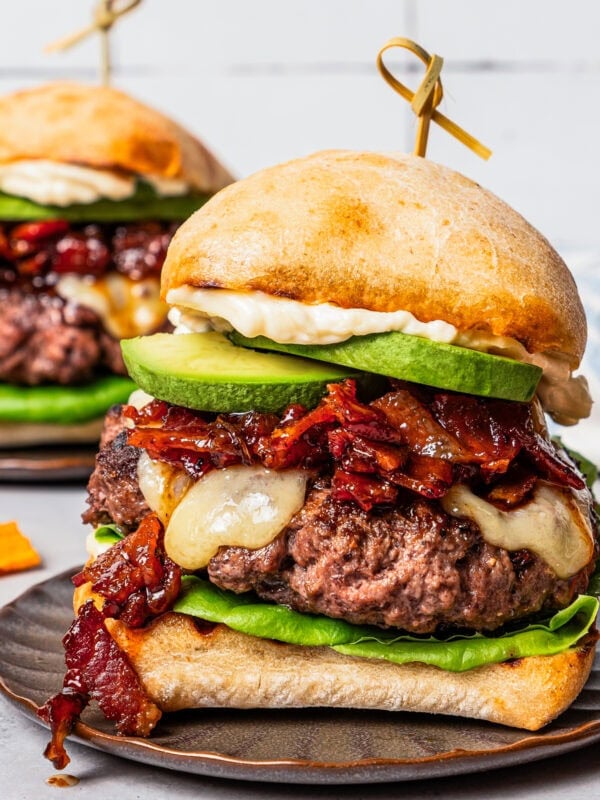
419,360
207,372
144,204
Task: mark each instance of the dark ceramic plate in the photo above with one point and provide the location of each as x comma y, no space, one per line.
47,464
302,746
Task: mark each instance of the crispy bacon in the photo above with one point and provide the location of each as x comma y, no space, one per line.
138,581
427,476
97,669
418,428
513,489
362,489
419,439
496,432
188,439
135,576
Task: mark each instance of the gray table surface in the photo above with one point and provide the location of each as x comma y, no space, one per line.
49,515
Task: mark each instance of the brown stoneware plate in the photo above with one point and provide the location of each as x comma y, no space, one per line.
47,464
297,746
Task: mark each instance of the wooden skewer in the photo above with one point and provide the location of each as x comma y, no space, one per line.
106,13
427,97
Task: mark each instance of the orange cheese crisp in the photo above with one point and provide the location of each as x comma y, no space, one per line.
16,551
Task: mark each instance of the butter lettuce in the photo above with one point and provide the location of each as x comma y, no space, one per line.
246,614
63,404
107,535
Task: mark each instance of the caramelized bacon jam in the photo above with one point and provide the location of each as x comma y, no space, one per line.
415,439
138,582
39,252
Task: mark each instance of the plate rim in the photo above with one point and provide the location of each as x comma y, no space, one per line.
532,747
48,463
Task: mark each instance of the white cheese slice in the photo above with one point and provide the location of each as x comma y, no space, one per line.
126,307
238,506
162,485
554,524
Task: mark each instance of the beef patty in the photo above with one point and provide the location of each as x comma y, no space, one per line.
114,494
411,566
46,339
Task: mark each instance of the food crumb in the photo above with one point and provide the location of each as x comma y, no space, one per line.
62,781
16,551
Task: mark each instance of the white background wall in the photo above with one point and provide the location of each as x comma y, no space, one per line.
265,80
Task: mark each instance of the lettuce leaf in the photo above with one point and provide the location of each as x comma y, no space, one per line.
246,614
63,404
109,534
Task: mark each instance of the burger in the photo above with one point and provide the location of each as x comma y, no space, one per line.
335,486
92,187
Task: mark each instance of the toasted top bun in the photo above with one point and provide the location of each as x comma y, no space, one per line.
98,126
383,232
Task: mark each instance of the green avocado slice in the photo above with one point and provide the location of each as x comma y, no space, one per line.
207,372
419,360
62,405
143,205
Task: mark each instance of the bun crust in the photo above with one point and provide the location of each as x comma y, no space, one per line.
383,232
183,668
100,127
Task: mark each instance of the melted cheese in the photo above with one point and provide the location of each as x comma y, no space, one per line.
56,183
167,187
127,308
163,486
555,525
238,506
564,396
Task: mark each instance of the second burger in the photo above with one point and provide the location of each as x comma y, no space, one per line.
93,185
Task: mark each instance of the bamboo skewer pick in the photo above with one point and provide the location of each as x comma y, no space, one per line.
106,13
427,97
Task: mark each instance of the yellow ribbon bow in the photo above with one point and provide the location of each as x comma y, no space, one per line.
428,96
106,13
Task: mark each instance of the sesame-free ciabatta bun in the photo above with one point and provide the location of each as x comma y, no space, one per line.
181,668
101,127
383,232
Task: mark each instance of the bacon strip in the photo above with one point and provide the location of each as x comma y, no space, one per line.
138,581
135,576
97,669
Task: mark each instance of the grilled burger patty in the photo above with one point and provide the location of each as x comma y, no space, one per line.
412,566
46,339
114,494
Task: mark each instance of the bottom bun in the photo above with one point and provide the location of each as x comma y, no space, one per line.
182,666
29,434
